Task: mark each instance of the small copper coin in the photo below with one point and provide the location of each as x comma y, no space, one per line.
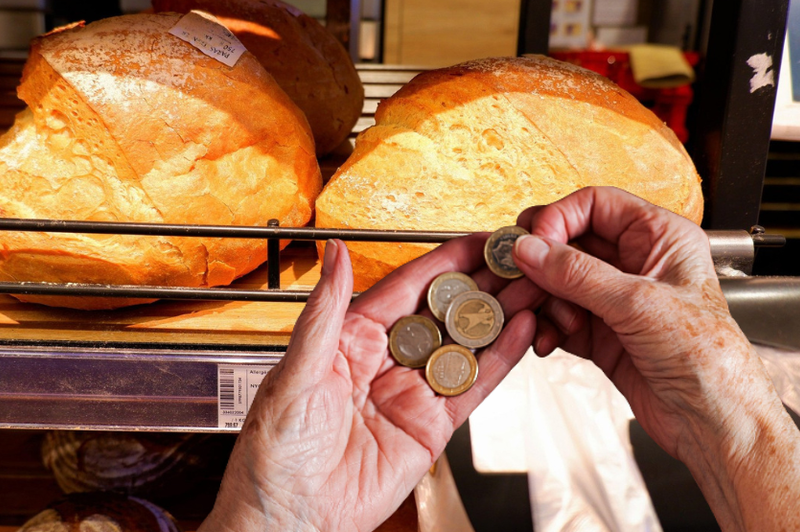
497,251
474,319
413,339
451,370
444,288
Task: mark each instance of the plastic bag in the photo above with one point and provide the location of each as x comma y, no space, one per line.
439,506
582,473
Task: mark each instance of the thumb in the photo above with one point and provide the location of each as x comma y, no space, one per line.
315,339
578,277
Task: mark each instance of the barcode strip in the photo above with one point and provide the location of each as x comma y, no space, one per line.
226,393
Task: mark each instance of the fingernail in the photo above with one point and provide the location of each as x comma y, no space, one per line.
532,250
331,251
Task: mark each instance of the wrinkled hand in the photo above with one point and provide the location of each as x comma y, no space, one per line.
642,300
339,434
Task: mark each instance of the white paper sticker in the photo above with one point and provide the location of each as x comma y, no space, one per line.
205,33
237,385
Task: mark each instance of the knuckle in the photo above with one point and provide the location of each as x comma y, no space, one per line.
573,271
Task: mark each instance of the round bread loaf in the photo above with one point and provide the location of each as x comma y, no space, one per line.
127,122
101,512
144,464
309,64
467,148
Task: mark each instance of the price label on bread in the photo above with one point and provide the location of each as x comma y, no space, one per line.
202,31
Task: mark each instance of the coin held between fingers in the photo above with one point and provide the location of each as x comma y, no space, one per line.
451,370
498,252
444,288
413,339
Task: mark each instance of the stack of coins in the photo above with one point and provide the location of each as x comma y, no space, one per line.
472,318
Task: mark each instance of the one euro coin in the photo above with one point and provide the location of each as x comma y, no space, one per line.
497,251
413,339
451,370
444,288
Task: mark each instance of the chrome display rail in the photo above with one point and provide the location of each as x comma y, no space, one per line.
175,387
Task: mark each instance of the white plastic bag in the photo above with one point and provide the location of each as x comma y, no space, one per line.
439,506
582,473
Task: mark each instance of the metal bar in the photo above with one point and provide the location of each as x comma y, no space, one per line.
269,232
766,308
736,98
769,241
732,249
533,34
154,292
274,259
225,231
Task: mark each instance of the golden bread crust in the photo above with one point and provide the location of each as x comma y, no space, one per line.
304,58
129,123
467,148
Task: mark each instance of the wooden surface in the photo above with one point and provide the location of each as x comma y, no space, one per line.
174,321
446,32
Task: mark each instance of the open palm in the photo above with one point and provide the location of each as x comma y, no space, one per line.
339,433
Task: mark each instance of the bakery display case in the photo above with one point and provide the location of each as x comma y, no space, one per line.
187,363
157,367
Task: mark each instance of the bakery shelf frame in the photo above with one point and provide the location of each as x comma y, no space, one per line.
132,385
165,385
174,386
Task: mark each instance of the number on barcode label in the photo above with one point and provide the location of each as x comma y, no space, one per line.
237,385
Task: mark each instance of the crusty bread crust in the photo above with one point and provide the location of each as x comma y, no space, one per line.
308,63
468,147
129,123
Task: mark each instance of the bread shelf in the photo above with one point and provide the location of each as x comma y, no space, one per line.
155,367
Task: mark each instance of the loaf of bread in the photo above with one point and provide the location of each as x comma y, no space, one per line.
309,64
467,148
127,122
101,512
151,465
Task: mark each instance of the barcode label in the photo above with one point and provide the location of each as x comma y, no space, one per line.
237,385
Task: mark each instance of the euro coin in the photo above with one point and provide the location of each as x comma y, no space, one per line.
444,288
497,251
413,339
474,319
451,370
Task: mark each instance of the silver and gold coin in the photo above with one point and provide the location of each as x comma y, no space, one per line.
474,319
444,288
451,370
413,339
497,251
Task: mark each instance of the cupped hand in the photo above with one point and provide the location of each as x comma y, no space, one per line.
339,433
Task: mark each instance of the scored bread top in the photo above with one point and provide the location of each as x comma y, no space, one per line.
129,123
469,147
308,63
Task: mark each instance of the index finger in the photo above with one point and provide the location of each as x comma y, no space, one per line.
401,292
607,212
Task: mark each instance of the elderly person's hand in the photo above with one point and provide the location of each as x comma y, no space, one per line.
339,434
641,299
